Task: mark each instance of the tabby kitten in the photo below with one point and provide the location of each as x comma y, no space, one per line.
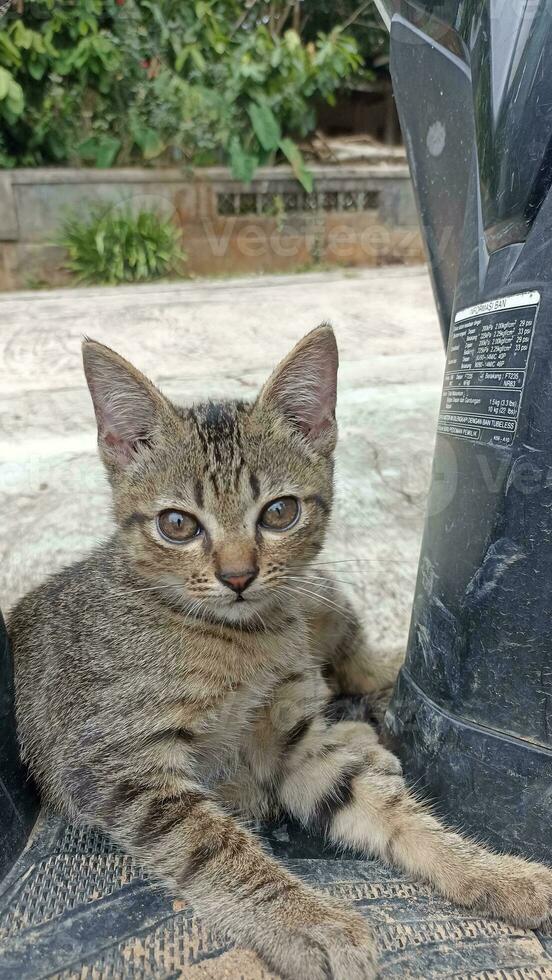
177,678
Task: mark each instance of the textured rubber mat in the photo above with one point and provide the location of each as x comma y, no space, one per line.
75,907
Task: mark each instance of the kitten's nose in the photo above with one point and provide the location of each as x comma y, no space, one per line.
238,581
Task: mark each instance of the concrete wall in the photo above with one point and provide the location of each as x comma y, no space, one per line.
356,216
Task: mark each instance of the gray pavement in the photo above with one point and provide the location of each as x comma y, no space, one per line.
209,338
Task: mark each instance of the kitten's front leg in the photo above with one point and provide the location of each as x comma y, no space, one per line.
181,834
361,800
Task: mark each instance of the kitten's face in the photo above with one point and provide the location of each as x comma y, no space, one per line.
221,506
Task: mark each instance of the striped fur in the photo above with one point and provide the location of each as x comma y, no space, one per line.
157,703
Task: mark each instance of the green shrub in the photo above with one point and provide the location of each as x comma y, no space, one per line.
119,246
116,82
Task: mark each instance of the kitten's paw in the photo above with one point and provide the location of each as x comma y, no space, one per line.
518,891
385,762
362,740
340,949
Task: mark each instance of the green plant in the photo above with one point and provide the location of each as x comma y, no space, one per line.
278,211
118,246
107,82
360,19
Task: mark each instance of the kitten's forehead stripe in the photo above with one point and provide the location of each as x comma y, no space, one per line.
255,486
220,429
198,493
195,420
218,418
240,463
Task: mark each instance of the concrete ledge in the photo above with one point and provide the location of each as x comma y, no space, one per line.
9,227
142,175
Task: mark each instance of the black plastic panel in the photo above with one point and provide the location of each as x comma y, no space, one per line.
497,790
472,714
439,137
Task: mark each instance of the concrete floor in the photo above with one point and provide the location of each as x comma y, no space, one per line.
214,338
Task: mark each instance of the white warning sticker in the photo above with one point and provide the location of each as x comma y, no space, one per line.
486,369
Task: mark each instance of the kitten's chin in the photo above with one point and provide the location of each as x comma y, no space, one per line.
239,611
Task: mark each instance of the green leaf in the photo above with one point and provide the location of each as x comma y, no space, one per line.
11,93
265,125
102,150
36,69
108,149
292,40
242,164
294,156
197,58
16,100
99,238
149,142
10,49
182,58
22,36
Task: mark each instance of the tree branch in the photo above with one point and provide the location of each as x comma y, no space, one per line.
280,23
243,17
355,15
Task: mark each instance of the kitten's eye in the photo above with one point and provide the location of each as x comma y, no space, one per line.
281,514
177,525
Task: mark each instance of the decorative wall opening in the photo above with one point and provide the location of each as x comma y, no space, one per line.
292,200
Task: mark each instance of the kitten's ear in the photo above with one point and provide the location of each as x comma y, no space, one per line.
303,388
126,404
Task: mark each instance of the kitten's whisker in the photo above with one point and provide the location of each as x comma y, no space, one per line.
321,573
317,582
196,609
324,570
153,588
323,599
346,561
259,617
